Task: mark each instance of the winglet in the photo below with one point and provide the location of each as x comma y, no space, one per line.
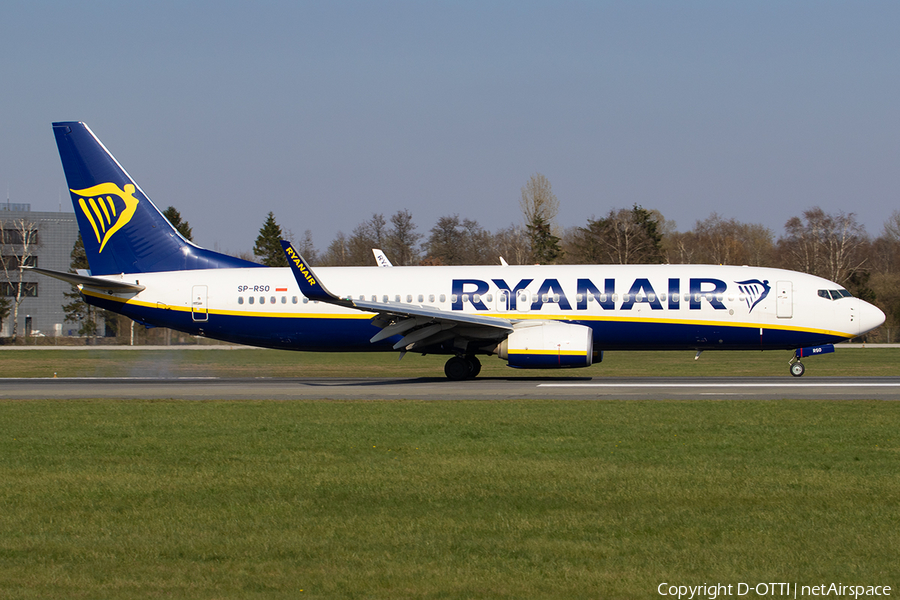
309,284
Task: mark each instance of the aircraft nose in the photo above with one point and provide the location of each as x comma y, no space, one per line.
870,317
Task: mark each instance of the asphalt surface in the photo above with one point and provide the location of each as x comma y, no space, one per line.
566,388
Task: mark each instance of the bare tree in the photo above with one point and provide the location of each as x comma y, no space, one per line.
830,246
885,268
727,242
892,226
622,237
337,254
458,242
513,244
402,240
367,235
307,248
682,248
18,241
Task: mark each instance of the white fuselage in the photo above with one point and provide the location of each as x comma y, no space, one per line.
627,306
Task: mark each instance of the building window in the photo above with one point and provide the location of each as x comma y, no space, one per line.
12,262
12,235
29,289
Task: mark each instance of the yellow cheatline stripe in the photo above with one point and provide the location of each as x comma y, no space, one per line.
736,325
87,213
512,316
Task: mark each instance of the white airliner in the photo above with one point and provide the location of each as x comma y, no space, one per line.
530,316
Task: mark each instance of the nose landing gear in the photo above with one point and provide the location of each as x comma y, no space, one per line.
797,368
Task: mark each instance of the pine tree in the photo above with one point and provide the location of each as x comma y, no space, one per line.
183,227
539,207
77,310
4,308
545,248
268,244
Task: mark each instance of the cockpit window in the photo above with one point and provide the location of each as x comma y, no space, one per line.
834,294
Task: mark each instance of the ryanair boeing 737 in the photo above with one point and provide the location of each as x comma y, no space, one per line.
548,317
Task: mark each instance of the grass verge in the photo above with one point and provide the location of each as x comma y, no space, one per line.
175,362
513,499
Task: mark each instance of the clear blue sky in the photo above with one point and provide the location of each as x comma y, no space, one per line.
327,112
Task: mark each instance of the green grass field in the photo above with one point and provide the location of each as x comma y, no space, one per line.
178,362
443,500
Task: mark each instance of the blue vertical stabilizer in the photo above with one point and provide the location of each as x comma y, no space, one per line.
122,230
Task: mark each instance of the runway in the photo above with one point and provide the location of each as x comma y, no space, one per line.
568,388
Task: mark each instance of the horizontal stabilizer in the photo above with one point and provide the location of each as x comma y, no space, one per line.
98,283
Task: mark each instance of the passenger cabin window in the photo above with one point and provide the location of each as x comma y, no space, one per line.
240,299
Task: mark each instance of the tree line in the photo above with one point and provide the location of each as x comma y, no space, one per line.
834,246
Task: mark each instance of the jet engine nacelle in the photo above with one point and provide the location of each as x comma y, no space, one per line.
548,345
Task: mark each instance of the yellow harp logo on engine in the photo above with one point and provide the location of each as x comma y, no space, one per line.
107,207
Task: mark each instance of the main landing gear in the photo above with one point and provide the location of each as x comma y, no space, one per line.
462,367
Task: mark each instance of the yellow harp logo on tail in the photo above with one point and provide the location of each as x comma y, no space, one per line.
107,207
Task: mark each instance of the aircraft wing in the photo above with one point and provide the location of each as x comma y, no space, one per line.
98,283
420,326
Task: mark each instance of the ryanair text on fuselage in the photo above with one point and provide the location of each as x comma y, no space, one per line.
641,291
